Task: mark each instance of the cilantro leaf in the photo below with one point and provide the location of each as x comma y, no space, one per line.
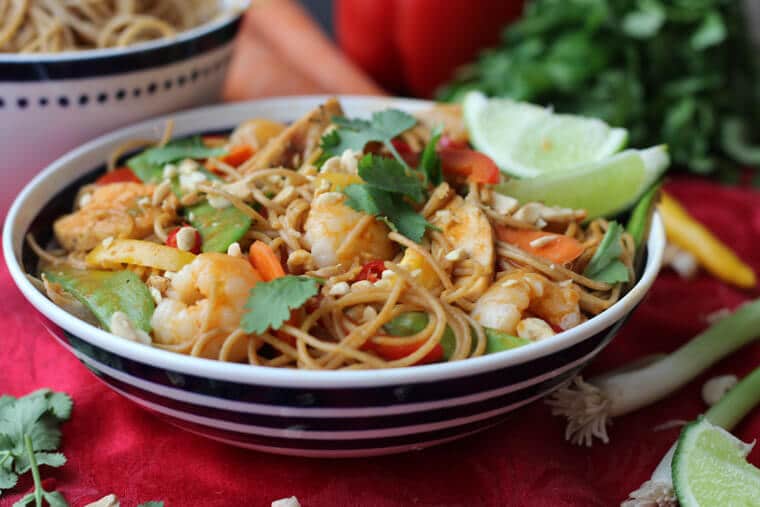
398,213
430,162
354,134
8,478
387,174
149,165
270,303
605,265
28,428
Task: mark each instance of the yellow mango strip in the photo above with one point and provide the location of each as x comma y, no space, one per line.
338,181
111,254
685,232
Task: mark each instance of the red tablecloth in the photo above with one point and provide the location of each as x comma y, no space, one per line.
115,447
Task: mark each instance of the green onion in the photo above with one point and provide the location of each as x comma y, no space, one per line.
588,406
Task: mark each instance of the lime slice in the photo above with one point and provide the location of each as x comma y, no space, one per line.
526,140
601,188
710,468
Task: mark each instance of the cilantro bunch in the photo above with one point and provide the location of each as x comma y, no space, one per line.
675,71
28,435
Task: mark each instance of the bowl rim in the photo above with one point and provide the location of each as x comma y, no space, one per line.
229,15
247,374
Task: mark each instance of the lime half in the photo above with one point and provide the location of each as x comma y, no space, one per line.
601,188
526,140
710,468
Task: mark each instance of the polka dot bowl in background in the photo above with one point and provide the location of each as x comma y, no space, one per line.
51,103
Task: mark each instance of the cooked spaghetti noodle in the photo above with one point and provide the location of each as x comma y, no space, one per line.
486,266
53,26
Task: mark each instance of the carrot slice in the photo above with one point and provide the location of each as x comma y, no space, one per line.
265,261
238,155
557,248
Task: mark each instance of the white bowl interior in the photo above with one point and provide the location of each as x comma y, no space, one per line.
81,161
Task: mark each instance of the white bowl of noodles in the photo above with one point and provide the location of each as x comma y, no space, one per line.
343,413
51,102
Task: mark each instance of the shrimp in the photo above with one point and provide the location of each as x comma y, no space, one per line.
329,225
206,295
505,303
118,210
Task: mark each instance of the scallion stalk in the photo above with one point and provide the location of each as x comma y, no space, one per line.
588,406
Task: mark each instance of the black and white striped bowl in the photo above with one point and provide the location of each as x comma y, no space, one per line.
52,103
305,413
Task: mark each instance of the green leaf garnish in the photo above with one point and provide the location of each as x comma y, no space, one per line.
387,174
392,208
152,503
605,265
28,433
270,303
149,165
354,134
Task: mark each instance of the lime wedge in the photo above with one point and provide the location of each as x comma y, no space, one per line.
526,140
710,468
601,188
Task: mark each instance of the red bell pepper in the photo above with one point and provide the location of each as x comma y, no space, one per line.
476,166
398,351
415,45
371,271
119,175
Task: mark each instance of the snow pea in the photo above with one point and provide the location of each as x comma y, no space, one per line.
107,292
407,324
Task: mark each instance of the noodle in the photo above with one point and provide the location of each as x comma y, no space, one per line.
53,26
440,284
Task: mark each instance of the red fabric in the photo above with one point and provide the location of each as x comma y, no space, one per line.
115,447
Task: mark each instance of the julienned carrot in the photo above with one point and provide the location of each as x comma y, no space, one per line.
557,248
265,261
325,64
238,155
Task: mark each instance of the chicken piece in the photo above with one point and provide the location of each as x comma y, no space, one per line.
302,137
448,115
116,210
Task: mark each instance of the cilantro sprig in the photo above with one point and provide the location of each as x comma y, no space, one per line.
270,303
354,134
28,433
387,185
605,265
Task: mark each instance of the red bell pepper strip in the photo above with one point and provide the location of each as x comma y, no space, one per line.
120,175
371,271
171,240
476,166
394,352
